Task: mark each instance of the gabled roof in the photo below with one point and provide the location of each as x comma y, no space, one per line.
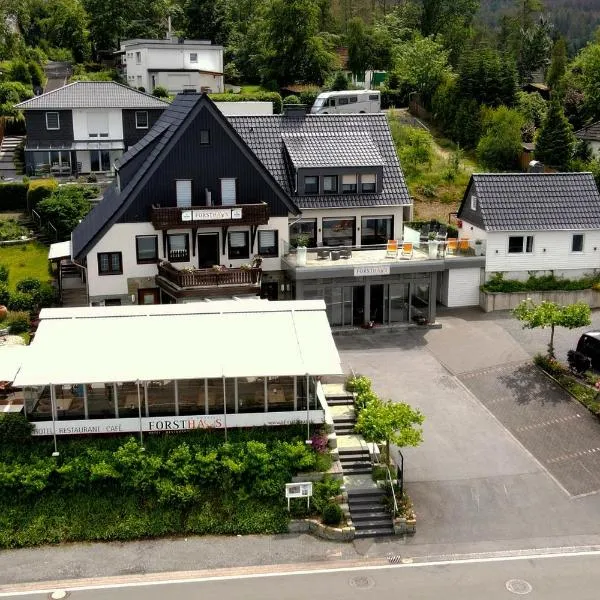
316,150
153,148
267,135
93,94
591,133
535,201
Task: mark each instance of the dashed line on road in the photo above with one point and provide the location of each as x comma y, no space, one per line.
572,455
556,421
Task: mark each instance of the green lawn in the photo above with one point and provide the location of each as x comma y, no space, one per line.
25,260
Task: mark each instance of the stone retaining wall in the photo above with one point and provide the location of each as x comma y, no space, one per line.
492,301
334,534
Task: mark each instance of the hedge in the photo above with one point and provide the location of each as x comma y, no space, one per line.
542,283
13,196
273,97
39,190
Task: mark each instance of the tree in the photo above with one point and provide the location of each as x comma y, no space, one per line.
64,209
533,108
340,82
359,51
500,146
586,77
207,20
390,422
549,314
558,63
555,142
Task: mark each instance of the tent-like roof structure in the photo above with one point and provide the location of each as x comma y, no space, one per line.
229,338
11,358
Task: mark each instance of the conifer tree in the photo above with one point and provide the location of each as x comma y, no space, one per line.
555,141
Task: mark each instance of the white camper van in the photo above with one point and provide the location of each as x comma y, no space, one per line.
349,101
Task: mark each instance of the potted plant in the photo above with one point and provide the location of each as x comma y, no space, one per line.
257,261
302,241
432,244
478,247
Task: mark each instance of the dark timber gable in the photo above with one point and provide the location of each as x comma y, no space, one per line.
474,217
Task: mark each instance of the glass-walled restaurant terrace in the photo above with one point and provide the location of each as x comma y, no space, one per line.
171,398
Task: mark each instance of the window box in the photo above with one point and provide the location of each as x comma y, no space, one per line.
110,263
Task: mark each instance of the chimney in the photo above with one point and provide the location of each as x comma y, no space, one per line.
297,111
535,166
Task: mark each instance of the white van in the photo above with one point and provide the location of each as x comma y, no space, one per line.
349,101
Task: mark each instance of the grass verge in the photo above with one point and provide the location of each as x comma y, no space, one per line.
25,260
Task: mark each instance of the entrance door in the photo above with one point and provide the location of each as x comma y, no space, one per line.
358,305
377,303
148,296
208,250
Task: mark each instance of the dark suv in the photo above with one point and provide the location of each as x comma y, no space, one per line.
589,345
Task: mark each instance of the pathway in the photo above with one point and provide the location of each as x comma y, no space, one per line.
8,148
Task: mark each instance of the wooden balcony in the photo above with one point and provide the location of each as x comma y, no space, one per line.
207,282
209,216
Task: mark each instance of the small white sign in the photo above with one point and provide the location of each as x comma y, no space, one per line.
236,213
370,271
186,215
299,490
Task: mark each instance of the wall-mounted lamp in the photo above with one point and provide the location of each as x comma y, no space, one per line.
132,298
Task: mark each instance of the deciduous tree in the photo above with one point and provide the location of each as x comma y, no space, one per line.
500,146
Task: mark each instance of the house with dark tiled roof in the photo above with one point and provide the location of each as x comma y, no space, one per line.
591,135
533,223
85,126
282,206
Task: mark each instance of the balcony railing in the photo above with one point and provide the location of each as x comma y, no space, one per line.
175,217
205,278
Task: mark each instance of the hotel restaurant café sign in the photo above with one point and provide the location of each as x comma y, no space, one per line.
212,214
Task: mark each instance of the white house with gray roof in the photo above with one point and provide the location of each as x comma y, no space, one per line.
534,223
85,126
176,64
591,135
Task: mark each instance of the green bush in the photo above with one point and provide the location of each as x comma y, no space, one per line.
160,92
29,285
19,71
550,365
4,294
13,196
36,73
541,283
21,302
4,272
273,97
308,97
291,99
64,209
17,322
394,98
14,428
46,296
358,384
39,190
332,514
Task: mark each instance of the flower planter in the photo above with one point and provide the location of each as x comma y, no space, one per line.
3,312
433,248
301,256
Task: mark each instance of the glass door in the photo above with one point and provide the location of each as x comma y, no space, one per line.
399,303
208,250
358,305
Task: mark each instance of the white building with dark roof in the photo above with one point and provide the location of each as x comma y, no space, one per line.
85,126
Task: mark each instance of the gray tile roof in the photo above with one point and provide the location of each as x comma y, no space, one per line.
93,94
265,136
537,201
316,150
591,133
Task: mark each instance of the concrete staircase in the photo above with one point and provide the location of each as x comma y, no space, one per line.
355,461
370,516
74,291
7,154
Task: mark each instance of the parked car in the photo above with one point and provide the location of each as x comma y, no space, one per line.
589,345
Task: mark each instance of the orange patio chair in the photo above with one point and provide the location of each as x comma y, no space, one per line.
407,250
463,245
391,249
452,246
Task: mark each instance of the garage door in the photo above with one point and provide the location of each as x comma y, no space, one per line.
463,287
178,82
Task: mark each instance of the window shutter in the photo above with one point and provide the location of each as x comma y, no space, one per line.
228,192
237,239
184,193
349,179
368,178
267,238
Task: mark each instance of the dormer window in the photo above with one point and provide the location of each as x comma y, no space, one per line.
349,184
330,184
368,183
311,184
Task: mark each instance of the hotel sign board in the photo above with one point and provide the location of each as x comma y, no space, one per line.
299,490
371,271
173,424
211,214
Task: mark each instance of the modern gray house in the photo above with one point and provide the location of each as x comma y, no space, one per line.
83,127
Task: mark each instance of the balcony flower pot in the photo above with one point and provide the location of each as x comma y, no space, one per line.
433,248
301,256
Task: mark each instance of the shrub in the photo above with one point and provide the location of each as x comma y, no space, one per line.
21,302
273,97
160,92
309,96
18,322
550,365
39,190
541,283
29,285
13,196
4,271
332,514
291,99
4,294
358,384
64,209
578,362
14,428
19,71
46,296
394,98
36,73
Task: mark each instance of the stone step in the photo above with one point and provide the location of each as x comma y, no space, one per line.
380,521
368,510
374,532
362,493
353,452
344,420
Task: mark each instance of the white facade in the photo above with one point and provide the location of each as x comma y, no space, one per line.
177,67
460,287
97,123
240,109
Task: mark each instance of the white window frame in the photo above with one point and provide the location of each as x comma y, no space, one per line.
582,243
527,246
269,232
473,202
183,193
368,176
238,235
346,178
226,198
137,125
57,121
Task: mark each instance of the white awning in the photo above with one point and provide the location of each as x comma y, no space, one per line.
191,341
11,358
60,250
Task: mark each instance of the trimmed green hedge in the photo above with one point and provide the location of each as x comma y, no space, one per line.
13,196
273,97
39,190
542,283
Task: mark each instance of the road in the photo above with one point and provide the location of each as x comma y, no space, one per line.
574,576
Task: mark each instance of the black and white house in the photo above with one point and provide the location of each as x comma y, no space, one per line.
83,127
208,206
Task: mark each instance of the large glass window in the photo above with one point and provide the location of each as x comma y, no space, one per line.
305,227
330,184
338,232
376,230
311,184
178,245
146,248
239,244
519,243
268,242
100,160
349,184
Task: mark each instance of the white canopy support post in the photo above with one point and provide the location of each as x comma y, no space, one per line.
140,412
176,388
54,417
225,407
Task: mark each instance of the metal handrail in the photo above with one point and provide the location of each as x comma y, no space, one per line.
36,216
396,510
55,231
